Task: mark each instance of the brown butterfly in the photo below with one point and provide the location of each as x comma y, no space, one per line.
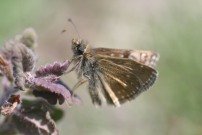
116,75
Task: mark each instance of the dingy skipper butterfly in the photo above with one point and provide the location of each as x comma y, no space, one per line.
117,75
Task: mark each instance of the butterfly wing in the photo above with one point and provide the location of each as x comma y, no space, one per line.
122,79
148,58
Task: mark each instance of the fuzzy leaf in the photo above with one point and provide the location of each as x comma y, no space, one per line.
28,60
57,69
27,56
29,38
22,61
10,104
51,97
18,73
41,84
33,118
75,98
5,68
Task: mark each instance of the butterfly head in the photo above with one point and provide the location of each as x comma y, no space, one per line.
79,47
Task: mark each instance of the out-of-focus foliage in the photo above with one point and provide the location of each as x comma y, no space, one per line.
170,27
18,13
17,60
37,116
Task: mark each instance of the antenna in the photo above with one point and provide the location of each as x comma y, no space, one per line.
70,20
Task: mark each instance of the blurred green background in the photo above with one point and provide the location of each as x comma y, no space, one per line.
173,106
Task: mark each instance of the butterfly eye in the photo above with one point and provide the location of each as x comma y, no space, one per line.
76,42
80,49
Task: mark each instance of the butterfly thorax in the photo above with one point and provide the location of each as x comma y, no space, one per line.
88,66
83,59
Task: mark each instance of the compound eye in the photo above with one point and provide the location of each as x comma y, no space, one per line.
76,41
80,49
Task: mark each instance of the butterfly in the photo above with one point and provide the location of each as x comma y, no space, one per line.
113,75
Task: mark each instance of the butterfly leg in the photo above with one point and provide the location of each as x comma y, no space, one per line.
73,68
79,83
76,66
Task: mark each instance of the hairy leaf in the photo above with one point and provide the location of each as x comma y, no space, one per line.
33,118
57,69
10,104
41,84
